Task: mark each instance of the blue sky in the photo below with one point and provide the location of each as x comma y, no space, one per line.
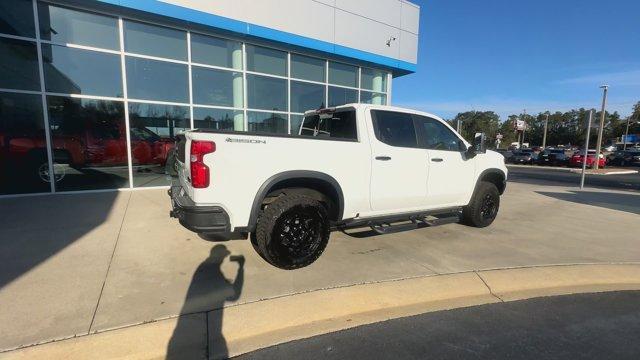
510,55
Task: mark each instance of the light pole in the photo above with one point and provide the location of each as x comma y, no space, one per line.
626,133
599,142
544,135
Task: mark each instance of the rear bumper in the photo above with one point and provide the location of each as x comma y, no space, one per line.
199,219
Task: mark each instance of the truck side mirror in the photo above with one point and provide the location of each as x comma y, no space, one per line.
479,143
478,146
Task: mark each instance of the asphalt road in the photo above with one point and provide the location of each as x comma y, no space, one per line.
547,176
584,326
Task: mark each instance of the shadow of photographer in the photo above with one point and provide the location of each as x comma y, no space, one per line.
209,289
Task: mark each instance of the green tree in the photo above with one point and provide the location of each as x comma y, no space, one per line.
473,122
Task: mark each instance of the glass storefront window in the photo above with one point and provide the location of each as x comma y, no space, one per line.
68,26
306,96
341,96
23,148
153,130
296,121
266,93
374,80
307,68
218,119
153,40
217,52
157,80
265,60
217,87
89,143
19,65
16,18
267,122
75,71
343,74
367,97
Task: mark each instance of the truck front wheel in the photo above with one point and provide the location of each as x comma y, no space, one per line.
292,231
483,207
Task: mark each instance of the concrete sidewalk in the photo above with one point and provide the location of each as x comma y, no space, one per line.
77,264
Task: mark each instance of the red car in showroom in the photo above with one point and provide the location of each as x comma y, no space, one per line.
578,157
91,145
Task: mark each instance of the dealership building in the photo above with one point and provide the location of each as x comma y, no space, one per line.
93,92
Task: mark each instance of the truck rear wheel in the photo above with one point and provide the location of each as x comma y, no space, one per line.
483,207
292,232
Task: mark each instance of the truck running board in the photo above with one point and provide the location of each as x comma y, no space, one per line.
404,222
415,223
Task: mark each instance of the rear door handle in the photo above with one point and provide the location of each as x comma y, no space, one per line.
436,159
383,158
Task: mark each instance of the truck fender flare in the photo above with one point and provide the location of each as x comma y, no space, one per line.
492,172
266,187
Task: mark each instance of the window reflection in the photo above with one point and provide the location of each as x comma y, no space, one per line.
140,38
218,52
367,97
267,93
341,96
68,26
89,143
217,87
18,65
308,68
23,152
218,119
267,122
343,74
157,80
265,60
16,18
306,96
153,130
75,71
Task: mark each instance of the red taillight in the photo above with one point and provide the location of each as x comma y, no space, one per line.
200,171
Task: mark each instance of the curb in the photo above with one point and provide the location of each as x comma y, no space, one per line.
251,326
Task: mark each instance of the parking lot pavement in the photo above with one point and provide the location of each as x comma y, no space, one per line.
583,326
76,264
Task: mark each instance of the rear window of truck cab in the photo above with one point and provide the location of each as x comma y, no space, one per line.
340,124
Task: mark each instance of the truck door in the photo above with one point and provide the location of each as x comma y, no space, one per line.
398,165
451,174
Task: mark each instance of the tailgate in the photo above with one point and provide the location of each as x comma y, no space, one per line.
181,160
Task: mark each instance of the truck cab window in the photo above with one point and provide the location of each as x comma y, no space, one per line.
338,125
434,135
394,128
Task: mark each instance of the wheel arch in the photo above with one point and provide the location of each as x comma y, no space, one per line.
494,176
299,181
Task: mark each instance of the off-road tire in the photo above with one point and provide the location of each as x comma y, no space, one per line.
475,214
272,236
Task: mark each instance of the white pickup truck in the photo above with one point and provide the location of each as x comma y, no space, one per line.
352,166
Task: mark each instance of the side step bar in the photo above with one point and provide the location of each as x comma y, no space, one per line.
403,222
416,223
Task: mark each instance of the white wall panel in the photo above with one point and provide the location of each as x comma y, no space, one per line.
408,47
410,17
360,24
385,11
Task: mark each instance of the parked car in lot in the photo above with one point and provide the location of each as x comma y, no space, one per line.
555,157
506,153
523,156
578,157
625,158
355,165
